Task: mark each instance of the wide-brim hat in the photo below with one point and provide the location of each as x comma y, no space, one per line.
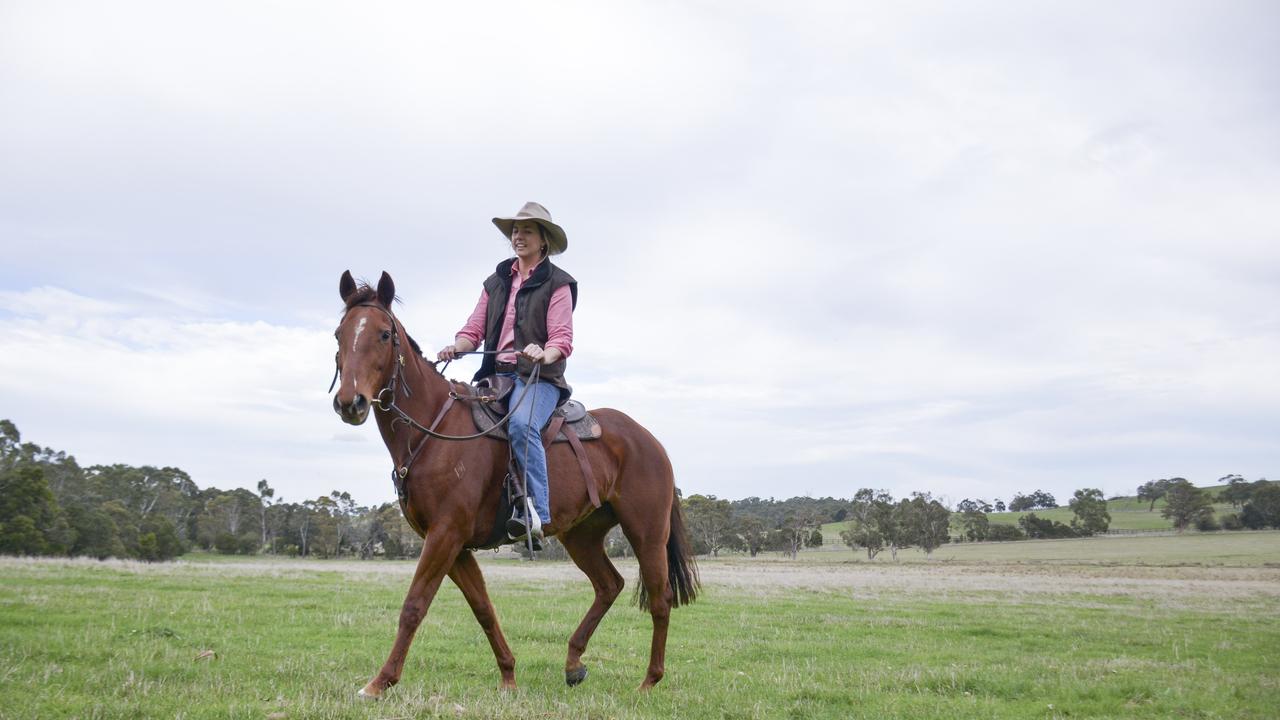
557,241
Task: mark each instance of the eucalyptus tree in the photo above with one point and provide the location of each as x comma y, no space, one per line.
710,521
1186,504
1090,509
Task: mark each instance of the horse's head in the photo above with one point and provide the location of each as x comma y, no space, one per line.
369,347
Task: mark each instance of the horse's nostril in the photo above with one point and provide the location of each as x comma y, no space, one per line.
337,406
361,402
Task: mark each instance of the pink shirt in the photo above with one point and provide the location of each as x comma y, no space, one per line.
559,320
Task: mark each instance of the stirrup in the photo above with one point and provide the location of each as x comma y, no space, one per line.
527,523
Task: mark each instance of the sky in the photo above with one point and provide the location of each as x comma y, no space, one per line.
970,249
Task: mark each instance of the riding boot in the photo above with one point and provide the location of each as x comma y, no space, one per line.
524,521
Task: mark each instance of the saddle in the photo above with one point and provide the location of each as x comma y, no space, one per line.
489,405
571,423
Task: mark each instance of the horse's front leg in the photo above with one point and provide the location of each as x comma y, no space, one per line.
465,573
439,551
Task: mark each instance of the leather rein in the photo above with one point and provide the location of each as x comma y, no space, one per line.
385,400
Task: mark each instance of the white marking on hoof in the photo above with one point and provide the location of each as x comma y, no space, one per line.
364,694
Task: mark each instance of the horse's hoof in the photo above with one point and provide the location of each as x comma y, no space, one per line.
365,693
573,677
649,682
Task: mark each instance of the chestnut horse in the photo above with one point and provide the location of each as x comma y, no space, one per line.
454,489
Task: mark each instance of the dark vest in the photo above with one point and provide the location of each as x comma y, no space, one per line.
532,302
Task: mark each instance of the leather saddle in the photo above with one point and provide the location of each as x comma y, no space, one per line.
569,423
489,400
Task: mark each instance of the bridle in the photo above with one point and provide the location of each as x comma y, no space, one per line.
385,400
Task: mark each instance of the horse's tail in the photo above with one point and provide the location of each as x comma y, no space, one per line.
682,571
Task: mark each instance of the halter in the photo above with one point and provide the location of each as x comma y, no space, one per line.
385,401
399,363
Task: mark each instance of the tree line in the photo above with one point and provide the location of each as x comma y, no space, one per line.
49,505
876,521
1189,506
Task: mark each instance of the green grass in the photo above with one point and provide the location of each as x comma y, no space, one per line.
767,639
1235,549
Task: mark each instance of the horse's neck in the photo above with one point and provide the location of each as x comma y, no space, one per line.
421,392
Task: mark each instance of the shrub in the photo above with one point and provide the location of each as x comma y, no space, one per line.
226,543
20,536
247,544
148,548
1044,528
1252,518
999,532
1207,523
1231,521
1263,508
551,550
167,545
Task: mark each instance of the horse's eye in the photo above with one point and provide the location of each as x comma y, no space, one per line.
386,335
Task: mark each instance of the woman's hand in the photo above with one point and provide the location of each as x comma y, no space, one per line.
533,351
450,352
537,354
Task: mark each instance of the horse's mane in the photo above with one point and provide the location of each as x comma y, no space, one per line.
366,293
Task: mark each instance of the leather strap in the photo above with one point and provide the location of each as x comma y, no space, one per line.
576,444
401,474
548,437
555,428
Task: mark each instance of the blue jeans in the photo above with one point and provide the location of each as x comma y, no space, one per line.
526,437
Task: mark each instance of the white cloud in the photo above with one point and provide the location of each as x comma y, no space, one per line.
927,247
230,402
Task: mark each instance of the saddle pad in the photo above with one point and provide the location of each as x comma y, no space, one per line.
576,420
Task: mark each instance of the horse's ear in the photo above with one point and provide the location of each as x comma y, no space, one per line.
386,290
346,285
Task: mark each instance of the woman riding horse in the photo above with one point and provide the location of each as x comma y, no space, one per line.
451,489
525,313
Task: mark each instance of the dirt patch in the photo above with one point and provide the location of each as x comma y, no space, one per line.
1167,585
1171,583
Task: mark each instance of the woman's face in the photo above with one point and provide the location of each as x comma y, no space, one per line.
526,240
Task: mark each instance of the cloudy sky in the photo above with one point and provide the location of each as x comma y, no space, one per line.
969,248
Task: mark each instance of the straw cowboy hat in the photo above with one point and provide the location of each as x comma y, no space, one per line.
557,241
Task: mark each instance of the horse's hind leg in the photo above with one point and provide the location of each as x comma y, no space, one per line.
650,543
653,573
466,574
585,544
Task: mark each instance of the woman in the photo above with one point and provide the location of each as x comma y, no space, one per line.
525,313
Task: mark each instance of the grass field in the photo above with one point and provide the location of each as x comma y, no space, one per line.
1148,627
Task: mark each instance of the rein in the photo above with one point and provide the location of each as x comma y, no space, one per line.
397,377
